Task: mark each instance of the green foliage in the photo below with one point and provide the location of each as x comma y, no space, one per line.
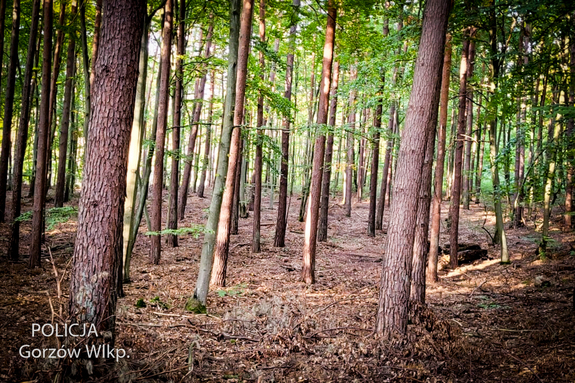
156,302
232,291
53,217
195,306
140,303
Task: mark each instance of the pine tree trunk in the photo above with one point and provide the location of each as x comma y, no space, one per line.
9,106
183,193
97,252
207,143
22,137
63,144
310,235
570,154
177,121
350,153
421,117
221,251
438,182
385,179
156,201
259,140
281,222
207,256
374,169
324,208
466,176
43,132
457,159
2,29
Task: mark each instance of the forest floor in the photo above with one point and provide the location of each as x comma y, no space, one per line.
486,321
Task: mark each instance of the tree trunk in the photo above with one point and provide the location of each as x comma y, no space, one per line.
177,121
43,132
135,154
438,182
324,208
207,257
206,159
310,235
2,28
350,154
22,138
570,154
183,193
156,201
281,221
457,159
64,125
9,106
420,118
259,140
221,251
466,176
86,68
98,252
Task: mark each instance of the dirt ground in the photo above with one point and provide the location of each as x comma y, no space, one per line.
485,322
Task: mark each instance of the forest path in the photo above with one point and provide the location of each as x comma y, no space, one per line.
491,322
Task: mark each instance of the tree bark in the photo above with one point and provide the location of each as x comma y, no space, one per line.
350,153
221,251
98,247
420,118
310,235
457,160
9,105
438,182
43,132
22,137
281,222
324,208
156,202
183,193
466,176
259,140
374,169
65,123
177,120
570,136
206,159
207,256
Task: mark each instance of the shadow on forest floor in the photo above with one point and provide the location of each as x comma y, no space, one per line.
487,321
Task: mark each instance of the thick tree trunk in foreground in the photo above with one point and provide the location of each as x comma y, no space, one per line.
22,137
43,132
221,251
420,118
281,222
9,106
156,202
324,208
310,235
98,247
438,182
206,261
458,156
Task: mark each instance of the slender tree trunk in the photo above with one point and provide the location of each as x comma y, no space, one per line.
212,227
438,182
324,208
371,221
86,68
183,193
259,140
570,154
98,246
177,121
134,155
310,235
2,29
63,145
281,222
43,132
156,202
22,138
9,105
73,149
350,153
466,174
221,251
420,119
459,141
207,143
480,153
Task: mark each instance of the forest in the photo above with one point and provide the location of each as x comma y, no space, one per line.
287,191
